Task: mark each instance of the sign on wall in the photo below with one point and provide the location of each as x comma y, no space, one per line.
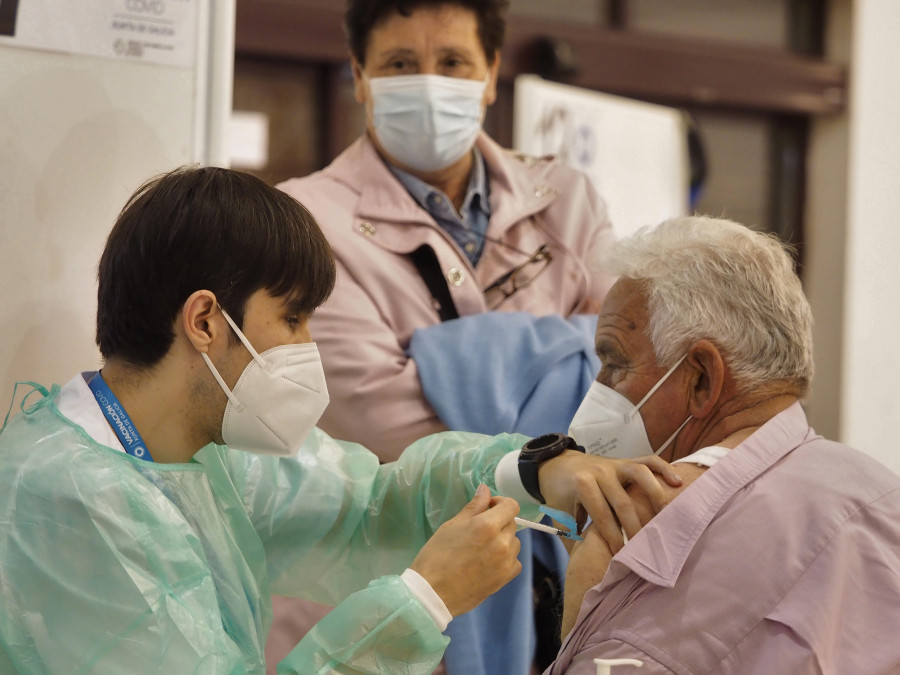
156,31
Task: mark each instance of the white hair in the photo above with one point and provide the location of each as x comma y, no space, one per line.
719,280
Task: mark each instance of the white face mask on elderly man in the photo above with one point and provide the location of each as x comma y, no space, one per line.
426,122
608,424
277,400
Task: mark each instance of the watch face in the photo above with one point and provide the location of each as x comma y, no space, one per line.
543,448
542,444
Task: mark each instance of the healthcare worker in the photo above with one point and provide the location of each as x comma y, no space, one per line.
133,539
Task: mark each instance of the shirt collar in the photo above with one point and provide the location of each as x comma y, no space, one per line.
77,403
476,192
707,457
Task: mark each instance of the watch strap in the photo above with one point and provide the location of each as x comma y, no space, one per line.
537,451
528,472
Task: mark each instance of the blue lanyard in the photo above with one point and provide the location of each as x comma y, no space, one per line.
118,419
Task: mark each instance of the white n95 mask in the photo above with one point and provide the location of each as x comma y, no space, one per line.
608,424
277,401
426,122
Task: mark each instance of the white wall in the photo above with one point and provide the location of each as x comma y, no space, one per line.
825,238
78,134
871,365
853,276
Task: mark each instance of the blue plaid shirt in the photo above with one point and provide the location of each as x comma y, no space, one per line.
468,227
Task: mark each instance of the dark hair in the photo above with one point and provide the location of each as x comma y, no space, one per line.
361,16
203,229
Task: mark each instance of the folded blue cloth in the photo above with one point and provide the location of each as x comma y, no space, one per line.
498,637
502,371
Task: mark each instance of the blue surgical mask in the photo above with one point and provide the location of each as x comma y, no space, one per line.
426,122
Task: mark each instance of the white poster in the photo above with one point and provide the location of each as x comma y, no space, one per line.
635,153
155,31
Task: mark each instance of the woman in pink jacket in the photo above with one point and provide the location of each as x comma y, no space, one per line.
438,232
374,222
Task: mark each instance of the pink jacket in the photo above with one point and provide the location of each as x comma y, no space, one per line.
372,223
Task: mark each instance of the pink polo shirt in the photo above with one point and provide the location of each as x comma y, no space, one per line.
784,557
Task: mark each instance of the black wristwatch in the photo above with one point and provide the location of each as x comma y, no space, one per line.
539,450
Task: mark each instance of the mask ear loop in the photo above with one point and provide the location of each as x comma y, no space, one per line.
243,338
656,386
672,437
651,392
215,373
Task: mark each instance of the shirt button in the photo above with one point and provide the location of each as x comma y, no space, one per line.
470,247
435,199
367,229
456,276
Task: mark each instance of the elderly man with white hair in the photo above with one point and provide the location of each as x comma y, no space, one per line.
780,552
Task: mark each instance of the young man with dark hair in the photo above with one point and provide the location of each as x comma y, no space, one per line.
149,509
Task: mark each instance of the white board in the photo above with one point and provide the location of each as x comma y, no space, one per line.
635,152
78,134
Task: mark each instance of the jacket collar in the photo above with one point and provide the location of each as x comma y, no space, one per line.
518,189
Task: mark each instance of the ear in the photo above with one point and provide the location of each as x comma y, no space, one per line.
490,91
708,379
360,90
197,320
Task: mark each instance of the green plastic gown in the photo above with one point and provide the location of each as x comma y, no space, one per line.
110,564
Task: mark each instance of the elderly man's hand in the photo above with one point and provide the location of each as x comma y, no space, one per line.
586,485
474,554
